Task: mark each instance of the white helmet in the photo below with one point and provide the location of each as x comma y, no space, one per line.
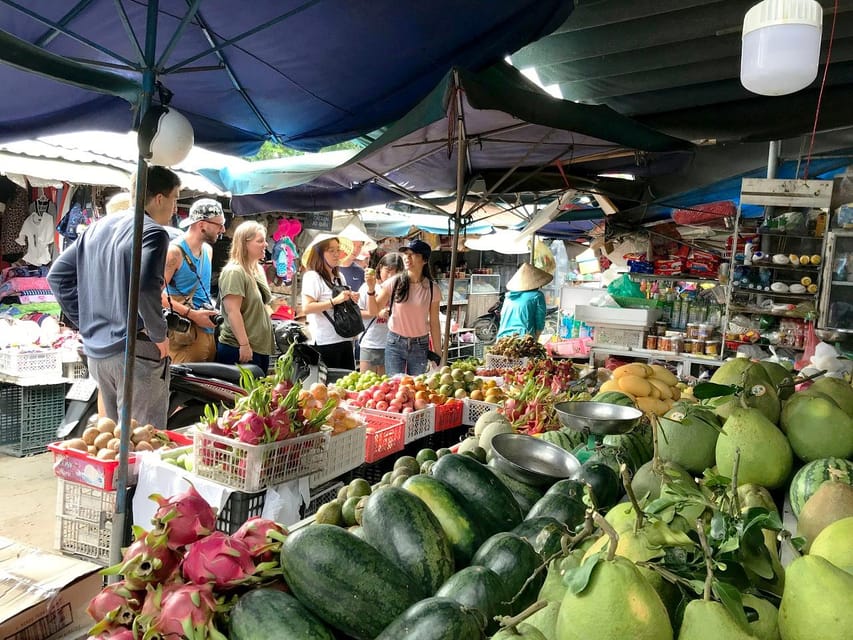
165,136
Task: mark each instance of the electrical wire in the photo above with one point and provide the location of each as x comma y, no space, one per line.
820,93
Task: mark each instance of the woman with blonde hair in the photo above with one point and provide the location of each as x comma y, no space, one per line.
244,294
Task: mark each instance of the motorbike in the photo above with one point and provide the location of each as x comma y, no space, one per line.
486,326
193,385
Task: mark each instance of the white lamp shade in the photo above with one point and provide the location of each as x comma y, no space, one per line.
781,46
165,136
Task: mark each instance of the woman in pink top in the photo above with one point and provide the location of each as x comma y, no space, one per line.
413,299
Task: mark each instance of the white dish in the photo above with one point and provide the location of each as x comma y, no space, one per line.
779,287
780,258
797,288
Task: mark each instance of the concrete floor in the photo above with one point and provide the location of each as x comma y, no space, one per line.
28,500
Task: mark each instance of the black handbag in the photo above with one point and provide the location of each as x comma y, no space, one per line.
346,316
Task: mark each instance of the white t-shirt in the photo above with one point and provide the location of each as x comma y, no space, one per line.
37,234
322,330
376,334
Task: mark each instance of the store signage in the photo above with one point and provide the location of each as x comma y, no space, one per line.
320,220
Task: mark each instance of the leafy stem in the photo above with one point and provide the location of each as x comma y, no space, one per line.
709,562
611,533
626,480
735,469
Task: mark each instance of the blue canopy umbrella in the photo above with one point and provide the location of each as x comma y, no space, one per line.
307,73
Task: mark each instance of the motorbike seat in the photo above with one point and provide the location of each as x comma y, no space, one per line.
226,372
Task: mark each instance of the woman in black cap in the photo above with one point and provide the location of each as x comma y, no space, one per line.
413,300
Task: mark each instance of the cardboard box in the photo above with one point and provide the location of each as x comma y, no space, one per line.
43,596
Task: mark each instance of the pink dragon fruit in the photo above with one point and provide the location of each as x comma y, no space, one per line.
184,518
218,560
279,423
116,633
251,428
263,537
147,560
178,612
114,606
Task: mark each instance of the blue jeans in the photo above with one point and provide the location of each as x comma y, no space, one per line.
226,354
406,355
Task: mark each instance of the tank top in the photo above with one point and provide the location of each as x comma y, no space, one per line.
184,280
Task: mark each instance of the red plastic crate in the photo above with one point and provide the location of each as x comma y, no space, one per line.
448,415
385,435
77,466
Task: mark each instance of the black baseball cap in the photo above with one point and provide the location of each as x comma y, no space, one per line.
417,246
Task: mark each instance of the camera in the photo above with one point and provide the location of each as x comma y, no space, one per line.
216,319
176,322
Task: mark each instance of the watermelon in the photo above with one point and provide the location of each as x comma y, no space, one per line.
483,497
270,613
562,508
514,560
544,534
525,495
344,581
462,532
401,527
614,397
813,474
435,618
557,437
480,589
635,448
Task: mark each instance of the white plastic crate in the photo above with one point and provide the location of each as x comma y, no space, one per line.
250,468
473,409
28,363
346,452
84,521
618,336
418,424
494,361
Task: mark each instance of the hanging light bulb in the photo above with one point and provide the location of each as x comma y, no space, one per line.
781,46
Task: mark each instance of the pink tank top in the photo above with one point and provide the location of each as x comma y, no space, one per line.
410,319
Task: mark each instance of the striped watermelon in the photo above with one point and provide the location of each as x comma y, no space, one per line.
635,447
815,473
576,438
558,438
614,397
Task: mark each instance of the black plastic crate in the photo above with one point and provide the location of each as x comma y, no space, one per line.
29,417
238,508
436,441
372,472
321,495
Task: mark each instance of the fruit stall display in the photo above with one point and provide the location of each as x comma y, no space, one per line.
672,530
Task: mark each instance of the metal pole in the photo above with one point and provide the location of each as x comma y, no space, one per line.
121,509
457,216
773,158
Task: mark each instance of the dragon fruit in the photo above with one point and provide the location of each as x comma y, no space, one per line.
114,606
147,560
263,537
116,633
178,612
218,560
251,428
185,517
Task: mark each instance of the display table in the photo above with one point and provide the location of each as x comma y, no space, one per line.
281,503
687,360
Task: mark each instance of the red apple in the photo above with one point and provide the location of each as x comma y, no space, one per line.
379,396
382,405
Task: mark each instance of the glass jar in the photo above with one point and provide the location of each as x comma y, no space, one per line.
677,343
692,331
712,348
651,341
705,331
664,343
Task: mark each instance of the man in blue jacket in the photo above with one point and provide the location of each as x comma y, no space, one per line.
523,310
91,279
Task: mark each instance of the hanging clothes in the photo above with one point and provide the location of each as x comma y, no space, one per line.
37,235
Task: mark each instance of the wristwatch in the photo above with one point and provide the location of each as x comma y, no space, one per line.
371,293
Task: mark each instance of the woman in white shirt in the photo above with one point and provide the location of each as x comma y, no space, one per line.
321,261
375,336
413,326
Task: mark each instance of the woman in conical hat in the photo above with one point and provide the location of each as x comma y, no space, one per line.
523,310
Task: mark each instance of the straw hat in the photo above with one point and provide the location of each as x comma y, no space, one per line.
528,278
346,246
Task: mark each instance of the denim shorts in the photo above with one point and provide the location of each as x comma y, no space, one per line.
373,357
406,355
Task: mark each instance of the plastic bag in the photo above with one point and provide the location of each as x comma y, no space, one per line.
624,287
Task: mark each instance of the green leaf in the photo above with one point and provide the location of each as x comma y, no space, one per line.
576,580
730,597
718,526
707,390
732,543
758,561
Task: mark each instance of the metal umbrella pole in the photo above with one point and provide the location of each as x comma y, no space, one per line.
461,150
121,509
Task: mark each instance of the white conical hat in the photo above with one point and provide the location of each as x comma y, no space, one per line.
346,246
528,278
